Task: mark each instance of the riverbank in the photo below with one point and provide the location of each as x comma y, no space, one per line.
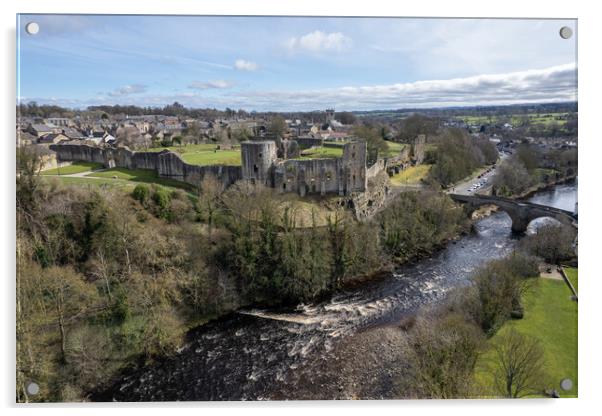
544,186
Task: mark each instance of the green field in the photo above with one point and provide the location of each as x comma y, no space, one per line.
394,149
322,152
411,176
517,119
204,154
76,167
550,316
136,175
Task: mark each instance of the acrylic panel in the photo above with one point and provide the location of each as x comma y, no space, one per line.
295,208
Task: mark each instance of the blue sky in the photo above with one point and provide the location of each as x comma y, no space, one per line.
293,63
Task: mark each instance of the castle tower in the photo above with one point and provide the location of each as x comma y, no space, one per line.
329,115
258,158
354,167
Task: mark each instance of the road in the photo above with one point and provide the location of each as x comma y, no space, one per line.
464,186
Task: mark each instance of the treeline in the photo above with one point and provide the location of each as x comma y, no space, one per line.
480,111
531,166
106,279
458,155
33,109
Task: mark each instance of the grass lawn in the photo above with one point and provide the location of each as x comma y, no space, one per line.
218,157
137,175
572,274
335,143
322,152
394,149
75,167
550,316
204,154
411,176
185,148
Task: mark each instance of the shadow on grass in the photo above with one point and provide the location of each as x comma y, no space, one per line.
142,176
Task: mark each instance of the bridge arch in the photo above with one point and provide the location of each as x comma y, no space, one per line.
521,213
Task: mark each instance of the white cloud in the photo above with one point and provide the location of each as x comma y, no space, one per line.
243,65
554,84
128,90
318,41
216,84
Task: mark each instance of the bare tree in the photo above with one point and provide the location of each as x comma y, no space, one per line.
211,190
519,369
442,352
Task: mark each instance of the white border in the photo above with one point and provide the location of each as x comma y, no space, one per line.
589,149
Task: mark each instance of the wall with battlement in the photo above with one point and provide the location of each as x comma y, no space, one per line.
167,164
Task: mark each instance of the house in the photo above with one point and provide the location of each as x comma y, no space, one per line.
53,138
73,134
59,121
40,130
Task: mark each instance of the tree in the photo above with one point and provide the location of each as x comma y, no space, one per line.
346,117
511,178
277,126
374,140
442,353
414,125
210,190
519,366
498,289
552,242
69,297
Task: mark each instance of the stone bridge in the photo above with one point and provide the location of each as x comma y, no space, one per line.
521,213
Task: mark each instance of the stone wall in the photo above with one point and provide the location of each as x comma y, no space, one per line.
366,204
418,149
167,164
307,142
260,164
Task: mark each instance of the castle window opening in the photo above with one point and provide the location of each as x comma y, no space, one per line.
255,168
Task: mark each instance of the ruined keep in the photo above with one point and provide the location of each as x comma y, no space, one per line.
258,158
342,176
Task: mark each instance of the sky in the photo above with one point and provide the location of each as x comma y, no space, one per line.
293,63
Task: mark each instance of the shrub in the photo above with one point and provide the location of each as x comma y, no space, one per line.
141,193
162,200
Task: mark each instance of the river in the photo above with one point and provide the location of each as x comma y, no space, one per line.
343,348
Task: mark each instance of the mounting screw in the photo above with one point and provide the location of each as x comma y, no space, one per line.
32,28
566,32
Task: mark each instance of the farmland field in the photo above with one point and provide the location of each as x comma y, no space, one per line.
517,119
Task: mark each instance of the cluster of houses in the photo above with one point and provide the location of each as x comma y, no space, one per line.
147,129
